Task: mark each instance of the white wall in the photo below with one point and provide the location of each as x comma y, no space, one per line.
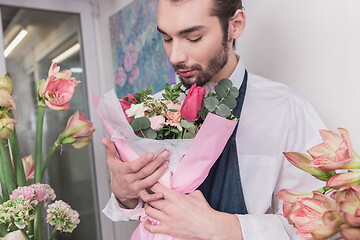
312,46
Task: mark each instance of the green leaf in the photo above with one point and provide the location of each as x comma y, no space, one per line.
203,112
140,123
150,133
211,103
137,96
163,104
173,110
225,82
234,92
189,135
152,112
230,102
188,125
167,92
223,110
149,91
168,86
175,130
221,91
165,96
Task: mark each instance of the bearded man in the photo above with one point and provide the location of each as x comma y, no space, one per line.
237,200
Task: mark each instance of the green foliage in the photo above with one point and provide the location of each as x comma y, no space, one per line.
172,93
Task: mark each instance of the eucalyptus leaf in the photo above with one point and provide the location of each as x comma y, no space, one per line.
190,126
150,133
211,103
189,135
140,123
230,102
223,111
225,82
221,91
234,92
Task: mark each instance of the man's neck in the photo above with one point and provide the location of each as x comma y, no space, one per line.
228,69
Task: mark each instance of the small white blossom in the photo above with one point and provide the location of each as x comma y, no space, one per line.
62,216
137,110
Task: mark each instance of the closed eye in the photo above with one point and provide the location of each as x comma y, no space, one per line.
195,40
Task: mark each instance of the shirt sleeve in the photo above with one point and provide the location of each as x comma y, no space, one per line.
302,135
116,212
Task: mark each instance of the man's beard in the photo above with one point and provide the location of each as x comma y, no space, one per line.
214,66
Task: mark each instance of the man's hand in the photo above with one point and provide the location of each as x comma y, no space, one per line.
129,180
189,216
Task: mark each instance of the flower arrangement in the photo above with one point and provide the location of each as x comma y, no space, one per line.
334,208
21,202
168,118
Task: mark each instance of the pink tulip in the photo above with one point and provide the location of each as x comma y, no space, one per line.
335,152
316,217
192,103
6,83
6,100
303,161
290,198
344,180
29,166
7,126
58,89
348,200
78,128
157,122
126,105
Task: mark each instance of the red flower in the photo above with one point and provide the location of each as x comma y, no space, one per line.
126,105
192,103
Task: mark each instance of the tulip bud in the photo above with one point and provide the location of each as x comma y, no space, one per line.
6,83
29,166
6,100
344,180
7,126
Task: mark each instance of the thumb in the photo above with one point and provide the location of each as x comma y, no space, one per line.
110,149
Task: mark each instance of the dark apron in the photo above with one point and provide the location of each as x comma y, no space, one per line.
222,187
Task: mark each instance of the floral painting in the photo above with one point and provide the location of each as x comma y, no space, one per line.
139,58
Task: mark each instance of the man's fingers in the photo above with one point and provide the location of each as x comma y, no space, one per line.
139,163
154,213
147,197
151,167
110,149
154,177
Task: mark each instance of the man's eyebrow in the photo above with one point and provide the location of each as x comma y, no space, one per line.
185,31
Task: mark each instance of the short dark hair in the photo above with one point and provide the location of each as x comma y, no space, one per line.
224,10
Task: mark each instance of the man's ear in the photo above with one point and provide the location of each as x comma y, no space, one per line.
237,24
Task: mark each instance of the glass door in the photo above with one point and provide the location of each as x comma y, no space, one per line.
48,36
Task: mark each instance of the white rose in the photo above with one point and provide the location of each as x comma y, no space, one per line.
137,110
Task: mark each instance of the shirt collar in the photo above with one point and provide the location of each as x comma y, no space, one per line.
236,77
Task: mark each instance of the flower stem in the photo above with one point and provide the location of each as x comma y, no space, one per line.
38,152
4,189
37,224
48,157
7,166
24,234
53,234
15,151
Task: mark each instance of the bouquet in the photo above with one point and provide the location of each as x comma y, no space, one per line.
336,207
193,127
23,194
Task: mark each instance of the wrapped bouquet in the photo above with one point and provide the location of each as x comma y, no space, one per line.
193,127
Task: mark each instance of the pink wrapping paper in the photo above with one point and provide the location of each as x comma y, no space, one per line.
192,169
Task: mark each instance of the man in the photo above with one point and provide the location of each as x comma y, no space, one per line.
199,39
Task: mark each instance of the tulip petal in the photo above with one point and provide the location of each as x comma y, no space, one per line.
343,180
331,139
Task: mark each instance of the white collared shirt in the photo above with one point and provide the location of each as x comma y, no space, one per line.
274,119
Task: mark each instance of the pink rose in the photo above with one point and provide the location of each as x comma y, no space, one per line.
157,122
192,103
58,89
126,105
174,118
120,77
80,129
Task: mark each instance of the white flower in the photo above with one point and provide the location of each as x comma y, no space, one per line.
137,110
62,216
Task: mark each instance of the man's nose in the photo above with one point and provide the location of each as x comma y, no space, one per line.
178,53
